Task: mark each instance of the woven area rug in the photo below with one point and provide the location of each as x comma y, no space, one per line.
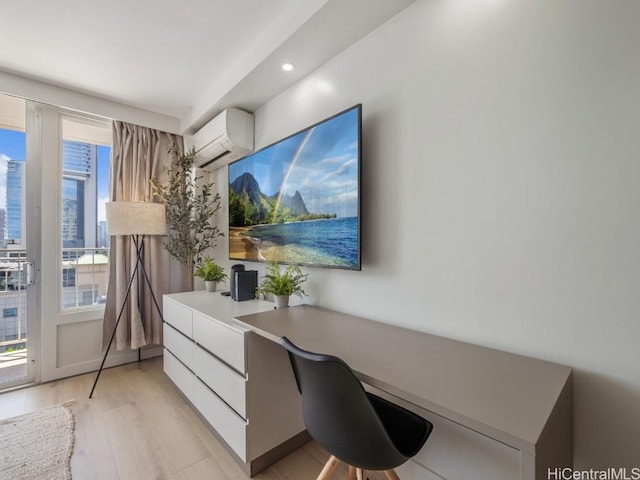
38,445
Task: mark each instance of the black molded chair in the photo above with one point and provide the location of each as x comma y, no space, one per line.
361,429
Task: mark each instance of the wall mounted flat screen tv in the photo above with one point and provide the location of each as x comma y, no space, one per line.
297,201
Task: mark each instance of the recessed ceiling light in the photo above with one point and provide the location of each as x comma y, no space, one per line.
287,67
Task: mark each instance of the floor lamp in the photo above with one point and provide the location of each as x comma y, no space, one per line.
138,219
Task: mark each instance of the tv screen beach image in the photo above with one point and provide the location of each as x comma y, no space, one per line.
297,201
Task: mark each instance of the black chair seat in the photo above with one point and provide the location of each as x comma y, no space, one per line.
407,431
359,428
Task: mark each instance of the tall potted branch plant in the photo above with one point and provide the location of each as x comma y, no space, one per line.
190,210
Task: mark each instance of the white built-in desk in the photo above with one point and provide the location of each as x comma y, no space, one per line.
496,415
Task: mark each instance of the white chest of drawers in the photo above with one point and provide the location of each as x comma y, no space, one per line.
239,382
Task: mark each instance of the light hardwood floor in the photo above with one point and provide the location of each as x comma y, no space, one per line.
138,427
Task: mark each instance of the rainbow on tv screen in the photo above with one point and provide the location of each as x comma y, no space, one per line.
298,201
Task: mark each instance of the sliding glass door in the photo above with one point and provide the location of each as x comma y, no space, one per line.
54,170
18,240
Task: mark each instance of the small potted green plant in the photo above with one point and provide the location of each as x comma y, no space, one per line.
282,284
211,273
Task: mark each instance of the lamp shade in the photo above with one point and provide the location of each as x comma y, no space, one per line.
136,218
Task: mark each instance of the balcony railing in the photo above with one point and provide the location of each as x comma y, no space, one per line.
11,269
84,285
13,324
84,274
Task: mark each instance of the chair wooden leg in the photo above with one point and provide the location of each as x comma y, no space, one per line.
352,473
391,475
328,469
360,474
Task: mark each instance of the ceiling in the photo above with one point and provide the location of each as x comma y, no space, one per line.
187,59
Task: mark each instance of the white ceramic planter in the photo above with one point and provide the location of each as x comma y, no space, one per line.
281,300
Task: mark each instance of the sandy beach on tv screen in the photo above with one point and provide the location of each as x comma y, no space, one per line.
240,247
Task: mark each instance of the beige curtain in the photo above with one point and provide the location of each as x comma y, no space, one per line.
138,154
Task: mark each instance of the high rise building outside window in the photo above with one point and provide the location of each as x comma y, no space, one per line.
15,207
78,159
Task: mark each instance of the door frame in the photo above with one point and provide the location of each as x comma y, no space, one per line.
71,339
33,204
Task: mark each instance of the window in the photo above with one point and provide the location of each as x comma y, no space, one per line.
87,298
84,186
68,277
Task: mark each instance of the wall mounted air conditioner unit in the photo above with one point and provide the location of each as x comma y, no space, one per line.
228,137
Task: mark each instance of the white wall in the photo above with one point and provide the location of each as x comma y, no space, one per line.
82,102
501,189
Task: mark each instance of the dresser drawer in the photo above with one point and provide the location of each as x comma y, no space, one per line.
179,317
222,418
178,344
227,383
179,374
450,442
484,457
222,340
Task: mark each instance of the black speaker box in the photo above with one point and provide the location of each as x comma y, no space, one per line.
244,285
238,267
